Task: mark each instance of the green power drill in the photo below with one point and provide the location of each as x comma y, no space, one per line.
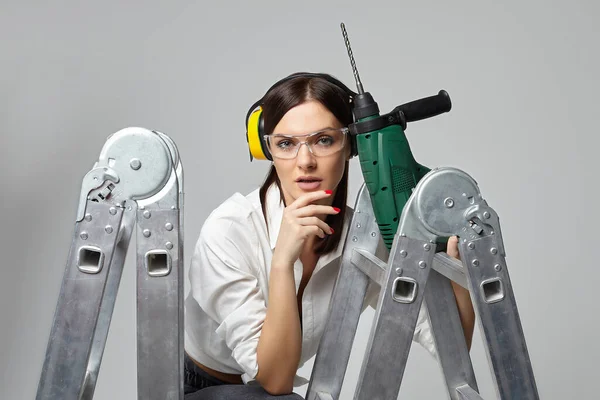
389,168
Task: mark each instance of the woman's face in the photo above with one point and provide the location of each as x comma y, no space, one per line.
308,173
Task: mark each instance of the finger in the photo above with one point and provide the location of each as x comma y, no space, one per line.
314,221
309,198
452,248
315,209
314,230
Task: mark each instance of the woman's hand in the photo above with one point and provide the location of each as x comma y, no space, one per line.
462,296
452,247
299,223
280,343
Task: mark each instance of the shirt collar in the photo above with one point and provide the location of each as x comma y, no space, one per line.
275,207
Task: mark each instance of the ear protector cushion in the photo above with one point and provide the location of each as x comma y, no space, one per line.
255,135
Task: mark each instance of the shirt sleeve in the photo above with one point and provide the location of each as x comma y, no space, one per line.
422,333
225,285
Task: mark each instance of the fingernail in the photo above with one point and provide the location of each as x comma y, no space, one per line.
331,231
329,191
336,209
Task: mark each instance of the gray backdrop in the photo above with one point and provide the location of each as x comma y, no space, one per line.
522,76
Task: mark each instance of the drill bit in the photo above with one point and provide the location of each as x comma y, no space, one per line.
352,63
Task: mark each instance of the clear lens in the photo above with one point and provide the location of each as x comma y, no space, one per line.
322,143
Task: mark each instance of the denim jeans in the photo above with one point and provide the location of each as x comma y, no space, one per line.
199,385
196,378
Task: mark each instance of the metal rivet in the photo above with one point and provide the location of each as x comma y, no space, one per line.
169,245
427,246
449,202
403,234
169,226
399,271
113,210
83,235
373,234
108,229
494,250
475,263
135,164
173,208
486,215
471,245
422,264
358,211
403,253
147,214
358,225
354,239
146,232
498,267
88,217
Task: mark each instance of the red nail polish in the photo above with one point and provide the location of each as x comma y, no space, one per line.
331,231
336,209
329,191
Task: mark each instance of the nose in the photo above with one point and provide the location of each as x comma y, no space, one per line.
305,158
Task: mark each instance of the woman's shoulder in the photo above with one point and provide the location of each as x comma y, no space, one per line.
236,213
236,205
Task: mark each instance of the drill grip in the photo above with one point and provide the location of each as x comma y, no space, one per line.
426,107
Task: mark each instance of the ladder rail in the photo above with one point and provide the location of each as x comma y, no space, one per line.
333,353
138,174
448,335
78,307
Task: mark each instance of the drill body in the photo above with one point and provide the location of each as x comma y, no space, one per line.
390,172
388,166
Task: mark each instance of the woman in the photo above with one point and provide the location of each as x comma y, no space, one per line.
264,266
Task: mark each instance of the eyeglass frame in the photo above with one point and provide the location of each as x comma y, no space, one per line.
344,131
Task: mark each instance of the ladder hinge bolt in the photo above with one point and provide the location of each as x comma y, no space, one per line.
135,164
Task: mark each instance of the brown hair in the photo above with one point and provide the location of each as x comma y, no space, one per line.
276,103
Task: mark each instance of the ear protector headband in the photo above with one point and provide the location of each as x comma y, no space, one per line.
255,134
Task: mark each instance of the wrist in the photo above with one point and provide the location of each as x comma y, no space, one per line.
282,266
281,263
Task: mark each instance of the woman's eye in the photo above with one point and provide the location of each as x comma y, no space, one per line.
325,141
283,144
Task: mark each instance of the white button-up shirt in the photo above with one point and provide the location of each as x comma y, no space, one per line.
229,276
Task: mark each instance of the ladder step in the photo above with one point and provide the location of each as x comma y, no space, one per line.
324,396
466,392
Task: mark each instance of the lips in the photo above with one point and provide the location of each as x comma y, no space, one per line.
308,179
308,183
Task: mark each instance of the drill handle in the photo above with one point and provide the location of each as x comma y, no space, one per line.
426,107
414,111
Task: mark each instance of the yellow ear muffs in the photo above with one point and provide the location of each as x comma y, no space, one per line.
254,136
